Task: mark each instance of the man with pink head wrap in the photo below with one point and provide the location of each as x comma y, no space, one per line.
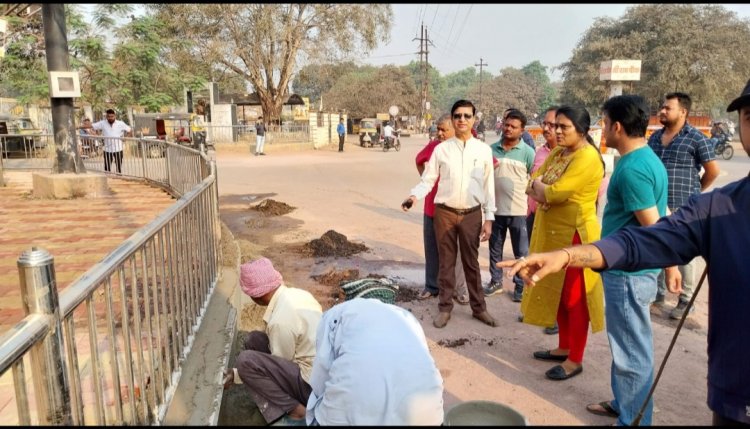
276,363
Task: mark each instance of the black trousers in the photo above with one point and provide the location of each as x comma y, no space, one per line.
341,142
117,157
276,384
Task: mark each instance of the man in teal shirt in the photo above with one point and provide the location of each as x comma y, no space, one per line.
637,195
513,164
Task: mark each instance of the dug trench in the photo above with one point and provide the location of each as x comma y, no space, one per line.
318,265
476,361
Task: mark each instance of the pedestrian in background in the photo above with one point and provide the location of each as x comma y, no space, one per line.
113,130
260,136
341,131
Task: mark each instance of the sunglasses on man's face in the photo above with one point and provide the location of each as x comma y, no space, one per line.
458,116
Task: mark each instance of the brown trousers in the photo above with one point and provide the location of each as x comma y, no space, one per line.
454,231
276,384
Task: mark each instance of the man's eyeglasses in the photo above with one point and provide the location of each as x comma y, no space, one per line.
546,124
458,116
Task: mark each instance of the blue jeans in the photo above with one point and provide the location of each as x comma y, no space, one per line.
627,300
518,238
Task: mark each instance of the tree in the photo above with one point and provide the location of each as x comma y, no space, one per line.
511,88
456,86
367,92
698,49
538,72
23,69
313,80
263,42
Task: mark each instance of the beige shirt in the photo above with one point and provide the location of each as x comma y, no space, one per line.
466,176
292,319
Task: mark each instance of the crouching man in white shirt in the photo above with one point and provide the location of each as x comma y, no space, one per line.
372,365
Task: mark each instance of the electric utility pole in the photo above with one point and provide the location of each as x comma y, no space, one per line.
480,65
56,48
424,49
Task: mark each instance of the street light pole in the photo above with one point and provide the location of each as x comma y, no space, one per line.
67,159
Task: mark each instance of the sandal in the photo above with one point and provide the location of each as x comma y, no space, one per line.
425,294
462,299
606,409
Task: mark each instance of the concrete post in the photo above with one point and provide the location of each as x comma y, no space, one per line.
36,271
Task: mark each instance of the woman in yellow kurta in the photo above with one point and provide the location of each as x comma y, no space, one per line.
566,187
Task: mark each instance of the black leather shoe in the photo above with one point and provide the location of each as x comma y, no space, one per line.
557,372
546,355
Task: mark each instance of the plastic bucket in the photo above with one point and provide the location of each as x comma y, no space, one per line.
483,413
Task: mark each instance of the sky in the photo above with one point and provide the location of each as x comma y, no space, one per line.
502,35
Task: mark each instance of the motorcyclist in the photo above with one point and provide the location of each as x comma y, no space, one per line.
718,135
388,135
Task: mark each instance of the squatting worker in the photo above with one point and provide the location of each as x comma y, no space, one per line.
372,364
466,190
277,362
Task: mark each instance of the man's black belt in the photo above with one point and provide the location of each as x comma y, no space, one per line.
459,212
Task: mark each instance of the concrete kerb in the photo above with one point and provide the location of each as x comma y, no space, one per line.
199,395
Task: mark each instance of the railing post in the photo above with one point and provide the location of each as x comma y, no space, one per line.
36,271
144,155
167,163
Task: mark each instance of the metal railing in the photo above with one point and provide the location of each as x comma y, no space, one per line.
111,352
284,133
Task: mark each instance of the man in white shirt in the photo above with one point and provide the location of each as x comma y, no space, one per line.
115,130
372,365
466,189
388,134
276,363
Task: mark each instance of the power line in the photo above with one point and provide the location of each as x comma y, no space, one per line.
454,23
458,35
435,15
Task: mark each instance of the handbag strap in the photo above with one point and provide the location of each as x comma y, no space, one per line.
637,420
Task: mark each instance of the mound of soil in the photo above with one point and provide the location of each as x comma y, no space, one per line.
334,278
407,294
453,343
271,207
335,244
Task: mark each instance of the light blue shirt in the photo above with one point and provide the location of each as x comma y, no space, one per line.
373,367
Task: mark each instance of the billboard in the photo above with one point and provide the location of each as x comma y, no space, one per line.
620,70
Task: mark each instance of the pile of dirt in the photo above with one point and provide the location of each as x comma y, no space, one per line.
453,343
271,207
334,244
407,294
334,278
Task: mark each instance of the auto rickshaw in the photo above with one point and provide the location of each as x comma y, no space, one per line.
369,132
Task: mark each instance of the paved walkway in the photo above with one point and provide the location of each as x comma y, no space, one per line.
77,232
